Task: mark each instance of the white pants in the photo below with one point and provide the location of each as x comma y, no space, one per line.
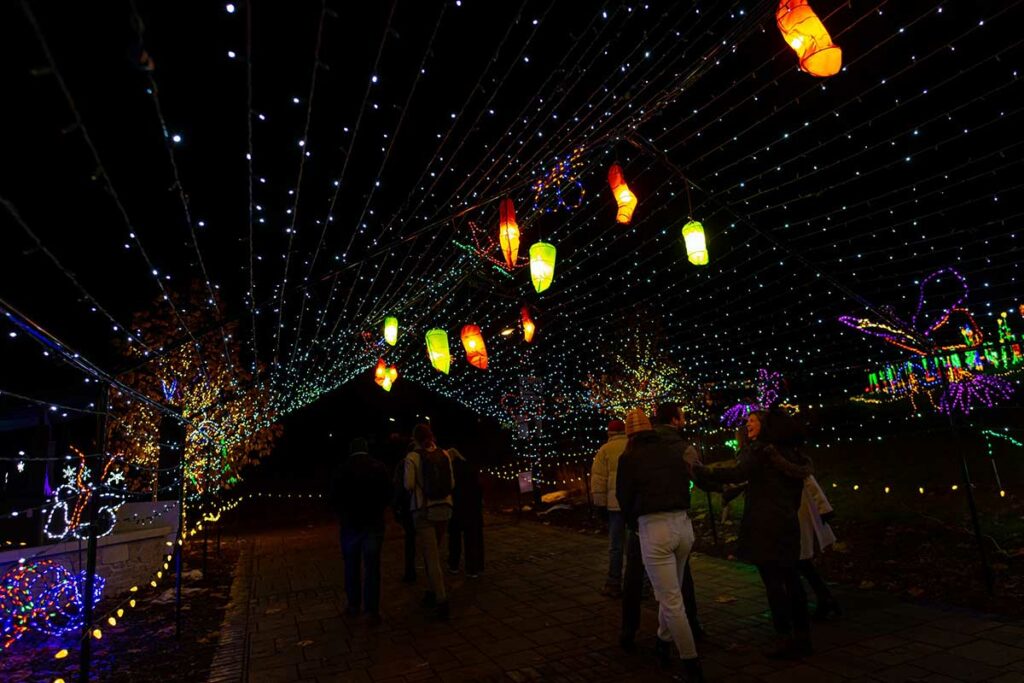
665,542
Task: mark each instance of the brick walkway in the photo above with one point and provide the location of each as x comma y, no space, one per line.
536,615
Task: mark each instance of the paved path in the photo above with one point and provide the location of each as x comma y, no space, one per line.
536,615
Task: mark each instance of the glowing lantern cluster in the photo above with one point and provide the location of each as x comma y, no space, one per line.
391,330
508,232
696,245
437,350
385,376
542,265
528,325
805,33
473,342
623,196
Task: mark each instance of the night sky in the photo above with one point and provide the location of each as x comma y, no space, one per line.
382,136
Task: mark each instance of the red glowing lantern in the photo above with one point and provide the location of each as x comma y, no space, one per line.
623,196
380,372
508,232
476,351
528,325
804,32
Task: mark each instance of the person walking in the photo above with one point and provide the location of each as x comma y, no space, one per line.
602,491
769,538
670,423
815,533
467,523
360,493
652,486
429,478
402,507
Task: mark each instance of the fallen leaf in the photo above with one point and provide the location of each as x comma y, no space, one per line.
725,599
866,585
304,643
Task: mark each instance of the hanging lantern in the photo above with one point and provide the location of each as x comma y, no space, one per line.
623,196
476,351
542,265
696,246
390,375
805,33
380,372
437,350
391,330
508,232
528,326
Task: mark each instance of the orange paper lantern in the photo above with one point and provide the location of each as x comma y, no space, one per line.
476,351
623,196
380,372
508,232
805,33
528,325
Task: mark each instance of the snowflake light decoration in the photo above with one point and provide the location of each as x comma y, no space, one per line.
71,499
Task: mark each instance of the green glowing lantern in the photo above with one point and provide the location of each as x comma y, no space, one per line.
437,350
391,330
542,265
696,245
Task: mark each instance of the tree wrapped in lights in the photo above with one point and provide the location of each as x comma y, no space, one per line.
639,374
230,419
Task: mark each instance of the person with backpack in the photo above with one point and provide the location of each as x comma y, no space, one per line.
360,492
430,479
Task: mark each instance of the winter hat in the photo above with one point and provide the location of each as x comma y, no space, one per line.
616,425
357,445
637,421
423,435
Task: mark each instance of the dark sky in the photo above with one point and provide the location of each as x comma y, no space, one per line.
819,197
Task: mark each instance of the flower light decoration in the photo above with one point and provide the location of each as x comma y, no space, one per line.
45,597
559,186
950,352
70,500
803,31
769,387
624,197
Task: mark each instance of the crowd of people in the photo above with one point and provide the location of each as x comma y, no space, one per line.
642,477
434,493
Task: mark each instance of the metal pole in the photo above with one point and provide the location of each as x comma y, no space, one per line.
85,652
180,541
986,567
586,484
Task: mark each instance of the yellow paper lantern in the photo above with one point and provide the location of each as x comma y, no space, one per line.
390,375
804,32
508,232
437,350
542,265
696,245
391,330
476,350
623,196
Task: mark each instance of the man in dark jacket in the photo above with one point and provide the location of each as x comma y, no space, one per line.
653,486
467,523
360,492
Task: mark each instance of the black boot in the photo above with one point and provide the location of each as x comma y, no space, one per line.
692,669
699,634
663,652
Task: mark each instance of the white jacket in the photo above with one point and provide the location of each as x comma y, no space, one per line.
602,474
814,504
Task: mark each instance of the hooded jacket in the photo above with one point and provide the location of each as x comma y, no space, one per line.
604,470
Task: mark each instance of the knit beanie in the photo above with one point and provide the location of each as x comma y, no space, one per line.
616,425
637,421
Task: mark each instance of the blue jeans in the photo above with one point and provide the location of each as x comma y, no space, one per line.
361,550
616,537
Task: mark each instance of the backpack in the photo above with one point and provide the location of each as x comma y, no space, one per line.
437,474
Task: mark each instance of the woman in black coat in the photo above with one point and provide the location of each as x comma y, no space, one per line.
774,469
